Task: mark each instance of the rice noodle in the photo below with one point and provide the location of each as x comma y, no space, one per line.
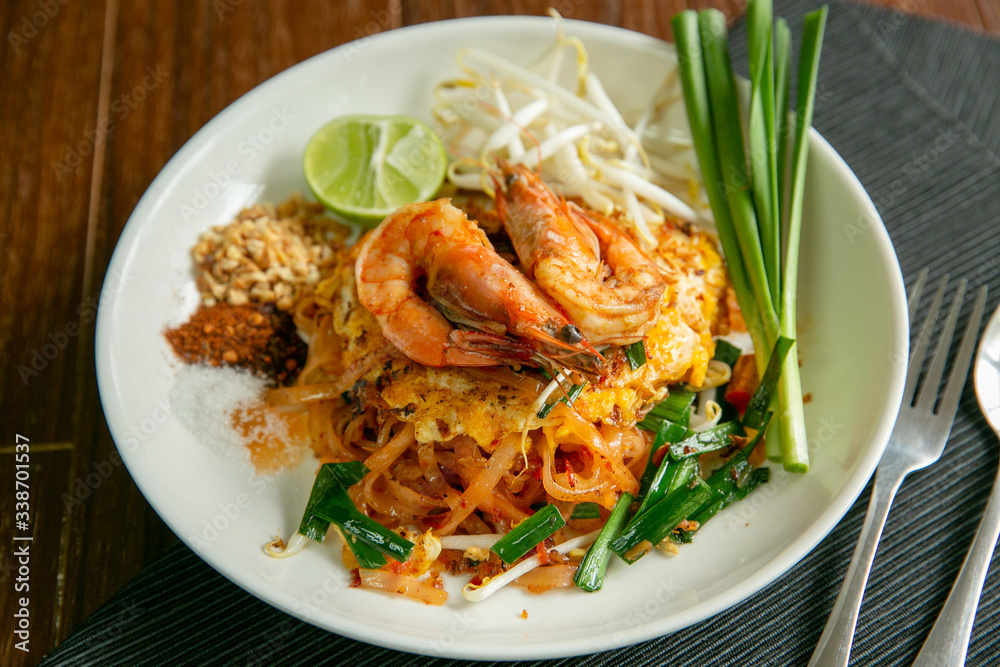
403,585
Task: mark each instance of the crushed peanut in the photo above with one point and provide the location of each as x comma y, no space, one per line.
267,254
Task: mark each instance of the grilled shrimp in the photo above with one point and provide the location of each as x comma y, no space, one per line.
607,285
468,282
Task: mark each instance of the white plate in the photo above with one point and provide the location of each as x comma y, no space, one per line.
853,341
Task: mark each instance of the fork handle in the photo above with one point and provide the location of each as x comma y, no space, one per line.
948,641
834,647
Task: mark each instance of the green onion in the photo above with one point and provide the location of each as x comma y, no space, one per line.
676,408
709,440
329,475
338,508
727,353
668,433
732,482
528,533
761,399
726,479
670,476
762,139
749,211
782,71
586,511
656,523
569,398
728,130
636,354
794,450
590,575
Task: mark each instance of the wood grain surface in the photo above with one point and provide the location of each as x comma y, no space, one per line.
96,97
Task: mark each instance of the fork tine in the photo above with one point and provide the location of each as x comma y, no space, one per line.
920,349
918,287
960,369
931,386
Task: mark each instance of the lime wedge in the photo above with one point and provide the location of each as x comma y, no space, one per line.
365,167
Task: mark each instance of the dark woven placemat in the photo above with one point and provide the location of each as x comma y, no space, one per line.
911,106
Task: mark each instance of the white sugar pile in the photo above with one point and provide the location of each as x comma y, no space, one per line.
204,399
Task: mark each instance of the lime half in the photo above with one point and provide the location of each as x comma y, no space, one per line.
365,167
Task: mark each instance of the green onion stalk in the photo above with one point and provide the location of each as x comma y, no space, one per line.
745,181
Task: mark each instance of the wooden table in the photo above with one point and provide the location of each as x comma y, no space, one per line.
96,97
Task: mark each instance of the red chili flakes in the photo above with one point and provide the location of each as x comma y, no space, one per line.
807,398
255,336
543,553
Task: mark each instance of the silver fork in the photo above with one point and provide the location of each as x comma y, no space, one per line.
917,441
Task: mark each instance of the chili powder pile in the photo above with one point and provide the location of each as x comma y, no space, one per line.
258,337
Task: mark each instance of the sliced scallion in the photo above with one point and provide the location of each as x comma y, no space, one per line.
676,408
670,476
330,474
709,440
569,398
668,433
761,399
586,511
523,537
636,354
590,575
727,353
338,508
656,523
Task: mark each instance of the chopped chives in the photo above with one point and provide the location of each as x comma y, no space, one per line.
668,433
709,440
676,408
528,533
330,474
726,352
590,575
656,523
636,354
761,399
586,511
338,508
569,398
670,476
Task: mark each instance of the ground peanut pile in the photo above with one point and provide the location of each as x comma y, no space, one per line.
268,254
